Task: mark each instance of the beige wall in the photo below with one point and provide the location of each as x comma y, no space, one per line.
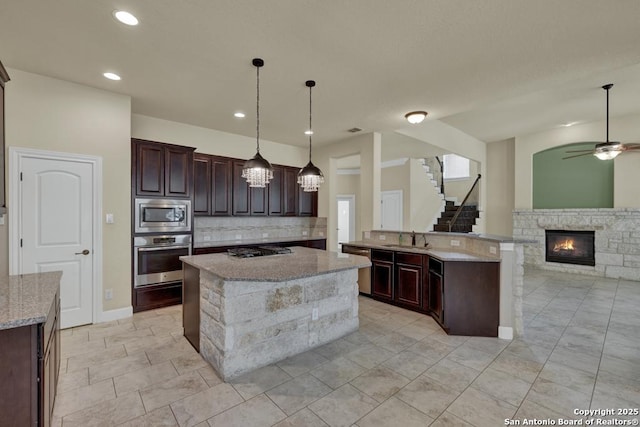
325,157
398,178
500,187
210,141
54,115
425,202
452,140
459,188
626,171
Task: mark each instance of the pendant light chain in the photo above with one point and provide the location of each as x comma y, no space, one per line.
607,89
310,127
310,177
257,171
258,109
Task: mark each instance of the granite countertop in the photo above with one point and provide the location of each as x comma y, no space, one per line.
441,254
267,240
26,299
479,236
301,262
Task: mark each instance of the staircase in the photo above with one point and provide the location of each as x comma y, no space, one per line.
464,223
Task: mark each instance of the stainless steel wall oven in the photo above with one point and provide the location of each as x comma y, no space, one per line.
156,258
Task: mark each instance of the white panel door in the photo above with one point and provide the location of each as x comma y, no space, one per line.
346,219
57,230
391,214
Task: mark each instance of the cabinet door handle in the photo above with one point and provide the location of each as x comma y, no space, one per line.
84,252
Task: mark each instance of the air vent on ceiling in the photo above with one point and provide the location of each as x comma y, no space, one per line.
354,130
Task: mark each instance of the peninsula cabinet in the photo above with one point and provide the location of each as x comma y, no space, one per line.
464,296
161,170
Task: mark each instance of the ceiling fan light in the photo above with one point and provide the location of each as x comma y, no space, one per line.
608,150
606,155
415,117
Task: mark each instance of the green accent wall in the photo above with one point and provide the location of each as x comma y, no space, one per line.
581,182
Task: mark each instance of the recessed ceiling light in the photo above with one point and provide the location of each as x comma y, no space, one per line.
308,132
239,115
112,76
125,17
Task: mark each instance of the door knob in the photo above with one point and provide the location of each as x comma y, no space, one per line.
84,252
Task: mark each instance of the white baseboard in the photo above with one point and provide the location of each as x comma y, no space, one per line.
118,313
505,332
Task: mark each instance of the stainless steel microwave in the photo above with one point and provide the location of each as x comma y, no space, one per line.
162,215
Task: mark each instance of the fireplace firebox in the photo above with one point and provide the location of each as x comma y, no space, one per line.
570,247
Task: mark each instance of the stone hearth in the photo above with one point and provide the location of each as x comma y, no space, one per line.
617,238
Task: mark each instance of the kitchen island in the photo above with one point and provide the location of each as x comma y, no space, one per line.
245,313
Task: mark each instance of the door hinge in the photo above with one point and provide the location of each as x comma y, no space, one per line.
20,242
20,176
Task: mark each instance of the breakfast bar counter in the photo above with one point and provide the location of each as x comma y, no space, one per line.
245,313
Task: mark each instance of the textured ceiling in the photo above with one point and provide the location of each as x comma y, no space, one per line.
492,68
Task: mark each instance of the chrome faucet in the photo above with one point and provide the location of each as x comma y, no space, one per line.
413,238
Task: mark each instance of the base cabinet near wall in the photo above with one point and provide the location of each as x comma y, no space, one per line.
29,371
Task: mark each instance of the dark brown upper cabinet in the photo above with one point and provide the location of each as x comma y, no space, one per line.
201,184
307,203
275,190
162,170
211,185
220,190
290,192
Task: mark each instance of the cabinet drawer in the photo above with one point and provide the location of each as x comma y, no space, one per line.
407,258
382,255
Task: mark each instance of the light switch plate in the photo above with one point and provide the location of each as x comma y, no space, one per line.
455,242
109,218
493,250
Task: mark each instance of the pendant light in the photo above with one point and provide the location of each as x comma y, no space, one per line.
310,177
257,170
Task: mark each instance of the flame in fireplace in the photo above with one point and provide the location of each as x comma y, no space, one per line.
567,245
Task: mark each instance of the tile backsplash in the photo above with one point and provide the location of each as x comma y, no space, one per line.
215,229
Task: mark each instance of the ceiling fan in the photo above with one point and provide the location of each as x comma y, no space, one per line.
606,150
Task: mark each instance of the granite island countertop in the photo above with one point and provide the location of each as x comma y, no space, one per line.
26,299
263,241
441,254
301,262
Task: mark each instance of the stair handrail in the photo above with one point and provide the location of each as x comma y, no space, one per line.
459,210
441,163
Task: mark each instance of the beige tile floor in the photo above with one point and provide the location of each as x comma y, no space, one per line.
580,350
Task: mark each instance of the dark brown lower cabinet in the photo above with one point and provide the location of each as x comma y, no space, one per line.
462,296
191,305
471,298
382,281
409,285
29,371
150,297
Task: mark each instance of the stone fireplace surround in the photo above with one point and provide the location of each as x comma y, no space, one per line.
617,238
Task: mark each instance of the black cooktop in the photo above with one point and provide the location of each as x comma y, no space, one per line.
257,251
